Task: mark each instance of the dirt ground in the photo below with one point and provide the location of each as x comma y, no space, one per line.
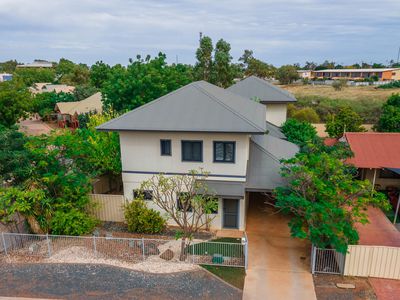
350,92
325,288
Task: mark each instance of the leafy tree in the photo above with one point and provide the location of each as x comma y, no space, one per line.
44,103
14,158
194,206
307,114
310,65
78,76
14,101
299,132
8,66
203,66
346,120
324,199
64,67
389,120
84,91
222,68
143,81
256,67
99,74
29,76
287,74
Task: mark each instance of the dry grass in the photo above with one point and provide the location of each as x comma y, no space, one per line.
350,92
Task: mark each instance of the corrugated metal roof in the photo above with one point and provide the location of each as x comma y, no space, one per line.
274,130
196,107
374,149
357,70
254,87
263,170
90,104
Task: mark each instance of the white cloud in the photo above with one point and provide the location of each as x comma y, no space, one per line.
278,31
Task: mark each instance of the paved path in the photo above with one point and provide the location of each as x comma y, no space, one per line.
79,281
34,127
278,264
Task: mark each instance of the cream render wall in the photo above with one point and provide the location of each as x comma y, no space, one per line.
276,113
140,153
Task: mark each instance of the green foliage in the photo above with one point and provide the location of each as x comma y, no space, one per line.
390,85
256,67
142,219
389,120
216,69
8,66
222,69
73,222
84,91
307,114
287,74
99,74
14,158
44,103
368,109
143,81
203,67
14,101
338,85
299,132
324,199
72,74
346,120
30,76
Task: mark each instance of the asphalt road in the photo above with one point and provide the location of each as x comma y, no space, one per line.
80,281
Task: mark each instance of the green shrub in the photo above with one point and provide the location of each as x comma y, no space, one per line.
299,132
142,219
306,114
390,85
73,222
338,85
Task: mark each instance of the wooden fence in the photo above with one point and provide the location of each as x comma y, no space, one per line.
373,261
107,207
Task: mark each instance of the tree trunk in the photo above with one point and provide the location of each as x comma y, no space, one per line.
183,249
33,223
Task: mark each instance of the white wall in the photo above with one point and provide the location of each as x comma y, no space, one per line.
276,113
140,152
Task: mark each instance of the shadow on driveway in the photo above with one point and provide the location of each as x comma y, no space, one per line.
82,281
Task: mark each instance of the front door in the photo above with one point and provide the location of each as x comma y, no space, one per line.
231,213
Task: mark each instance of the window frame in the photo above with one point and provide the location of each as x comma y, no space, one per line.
224,143
201,150
145,194
161,147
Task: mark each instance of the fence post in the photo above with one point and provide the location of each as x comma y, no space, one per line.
313,256
94,245
246,251
144,255
193,253
48,244
4,243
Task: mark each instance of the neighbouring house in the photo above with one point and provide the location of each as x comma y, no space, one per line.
204,126
44,87
382,74
305,74
37,63
68,112
377,157
274,98
5,77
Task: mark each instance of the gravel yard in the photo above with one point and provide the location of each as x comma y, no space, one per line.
86,281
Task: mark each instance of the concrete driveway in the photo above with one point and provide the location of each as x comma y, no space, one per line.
279,266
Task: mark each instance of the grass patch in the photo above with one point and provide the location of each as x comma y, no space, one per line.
212,247
232,275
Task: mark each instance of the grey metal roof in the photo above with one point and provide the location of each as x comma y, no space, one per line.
196,107
263,170
254,87
232,189
274,130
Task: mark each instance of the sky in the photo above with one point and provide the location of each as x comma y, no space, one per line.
278,31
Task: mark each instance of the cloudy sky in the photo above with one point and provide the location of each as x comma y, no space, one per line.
279,31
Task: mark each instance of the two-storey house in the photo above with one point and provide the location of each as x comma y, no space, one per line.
203,126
